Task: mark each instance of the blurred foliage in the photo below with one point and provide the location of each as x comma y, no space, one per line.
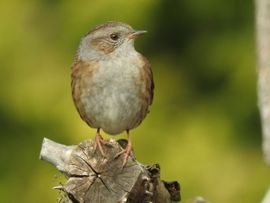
204,126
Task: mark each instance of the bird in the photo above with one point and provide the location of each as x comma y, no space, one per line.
112,84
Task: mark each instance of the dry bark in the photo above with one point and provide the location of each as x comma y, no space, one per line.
263,60
263,54
92,177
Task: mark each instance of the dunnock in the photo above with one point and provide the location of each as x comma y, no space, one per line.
112,84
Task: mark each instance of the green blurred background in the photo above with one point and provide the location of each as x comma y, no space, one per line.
204,127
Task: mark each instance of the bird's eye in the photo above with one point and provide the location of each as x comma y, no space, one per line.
114,36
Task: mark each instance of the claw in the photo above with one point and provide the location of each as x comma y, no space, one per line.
99,140
125,151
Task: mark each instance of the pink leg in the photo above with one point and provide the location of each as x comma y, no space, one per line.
99,141
126,151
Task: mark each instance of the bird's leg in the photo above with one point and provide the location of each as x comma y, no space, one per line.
99,140
126,151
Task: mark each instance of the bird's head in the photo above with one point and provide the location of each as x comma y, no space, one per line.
108,39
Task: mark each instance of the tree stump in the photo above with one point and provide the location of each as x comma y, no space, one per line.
92,177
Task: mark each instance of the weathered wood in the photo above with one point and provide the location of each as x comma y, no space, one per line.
263,54
266,198
98,179
263,67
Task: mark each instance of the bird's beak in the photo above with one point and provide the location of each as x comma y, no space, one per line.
137,33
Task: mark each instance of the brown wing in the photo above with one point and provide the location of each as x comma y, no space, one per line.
148,92
148,75
81,74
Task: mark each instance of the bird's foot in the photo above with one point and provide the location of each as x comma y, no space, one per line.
126,153
99,141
